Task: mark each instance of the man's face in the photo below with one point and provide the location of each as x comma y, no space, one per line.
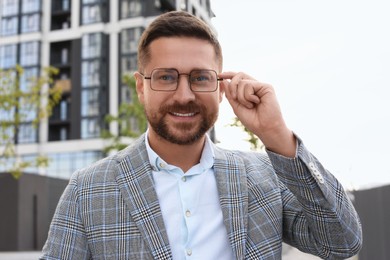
181,116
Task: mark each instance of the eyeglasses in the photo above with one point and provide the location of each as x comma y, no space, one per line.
168,80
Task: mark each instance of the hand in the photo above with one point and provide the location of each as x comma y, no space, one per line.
256,105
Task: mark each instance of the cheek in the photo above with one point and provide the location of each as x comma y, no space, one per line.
213,104
152,101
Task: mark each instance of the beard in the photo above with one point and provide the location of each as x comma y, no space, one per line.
182,133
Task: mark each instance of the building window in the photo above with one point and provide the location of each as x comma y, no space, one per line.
63,133
8,56
7,132
92,45
128,64
90,102
90,73
131,8
7,115
65,5
26,80
93,69
126,95
25,131
94,11
29,53
30,6
29,16
63,110
31,23
27,134
9,7
128,48
62,165
90,128
60,14
9,26
27,111
129,40
91,14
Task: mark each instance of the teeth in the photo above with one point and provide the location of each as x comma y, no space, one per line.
183,115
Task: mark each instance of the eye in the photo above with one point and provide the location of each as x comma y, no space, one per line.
164,76
200,76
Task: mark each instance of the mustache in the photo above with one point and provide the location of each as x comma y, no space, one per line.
190,107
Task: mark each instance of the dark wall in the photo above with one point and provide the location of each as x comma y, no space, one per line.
373,207
27,206
8,215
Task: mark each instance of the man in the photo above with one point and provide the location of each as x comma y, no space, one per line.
173,194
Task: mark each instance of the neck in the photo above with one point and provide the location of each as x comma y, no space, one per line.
182,156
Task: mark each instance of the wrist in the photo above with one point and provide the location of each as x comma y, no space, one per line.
281,142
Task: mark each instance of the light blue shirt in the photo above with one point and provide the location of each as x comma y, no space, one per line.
190,207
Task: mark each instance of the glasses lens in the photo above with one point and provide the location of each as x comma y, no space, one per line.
164,79
203,80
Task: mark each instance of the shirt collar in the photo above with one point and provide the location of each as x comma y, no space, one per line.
157,163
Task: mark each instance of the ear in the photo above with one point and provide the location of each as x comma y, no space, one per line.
139,86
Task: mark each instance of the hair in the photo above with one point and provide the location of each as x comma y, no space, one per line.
176,24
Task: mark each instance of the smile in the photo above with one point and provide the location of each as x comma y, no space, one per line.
183,115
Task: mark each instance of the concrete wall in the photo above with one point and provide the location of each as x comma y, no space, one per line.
373,206
27,206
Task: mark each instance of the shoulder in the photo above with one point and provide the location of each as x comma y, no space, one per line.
244,158
108,168
255,166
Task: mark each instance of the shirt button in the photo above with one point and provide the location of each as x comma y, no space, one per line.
162,165
189,252
188,213
184,179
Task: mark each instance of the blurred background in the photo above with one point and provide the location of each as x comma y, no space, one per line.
328,61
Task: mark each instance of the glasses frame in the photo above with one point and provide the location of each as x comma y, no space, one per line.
178,78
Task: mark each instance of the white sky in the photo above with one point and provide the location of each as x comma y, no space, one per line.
329,62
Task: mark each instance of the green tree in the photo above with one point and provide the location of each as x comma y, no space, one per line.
254,141
131,120
21,105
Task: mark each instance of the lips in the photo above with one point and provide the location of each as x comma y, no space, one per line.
183,114
188,110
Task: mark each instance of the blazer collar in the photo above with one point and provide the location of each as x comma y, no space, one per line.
136,185
231,179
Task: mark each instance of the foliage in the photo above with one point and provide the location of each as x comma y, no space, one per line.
254,141
20,105
131,120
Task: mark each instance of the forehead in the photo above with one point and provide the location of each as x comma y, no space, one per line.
182,53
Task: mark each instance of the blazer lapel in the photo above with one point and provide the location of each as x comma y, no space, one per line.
137,188
231,180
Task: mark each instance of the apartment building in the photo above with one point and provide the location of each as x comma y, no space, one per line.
93,43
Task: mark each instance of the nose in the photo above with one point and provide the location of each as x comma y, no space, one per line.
183,93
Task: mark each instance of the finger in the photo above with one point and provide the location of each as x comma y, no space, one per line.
226,80
227,75
235,84
251,95
245,94
225,85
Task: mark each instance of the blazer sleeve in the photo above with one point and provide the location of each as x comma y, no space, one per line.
318,216
67,238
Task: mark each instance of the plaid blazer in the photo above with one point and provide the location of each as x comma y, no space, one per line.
110,210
